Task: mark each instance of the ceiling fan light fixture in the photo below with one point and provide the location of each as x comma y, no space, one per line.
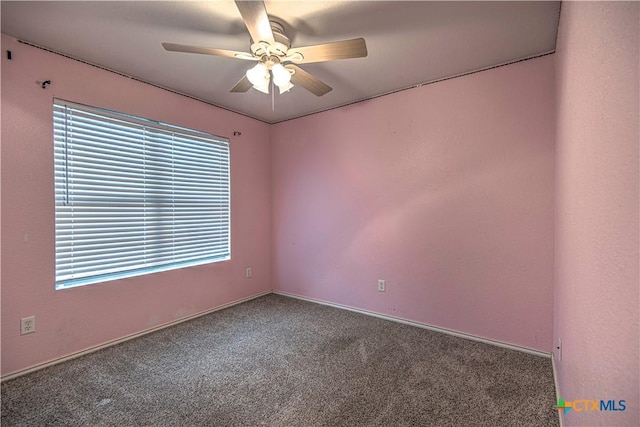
285,87
259,75
281,76
264,87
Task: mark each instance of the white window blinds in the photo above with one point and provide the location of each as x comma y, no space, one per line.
135,196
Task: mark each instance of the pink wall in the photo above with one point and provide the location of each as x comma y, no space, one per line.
75,319
596,290
445,191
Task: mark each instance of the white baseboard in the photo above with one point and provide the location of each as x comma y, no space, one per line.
557,386
419,325
287,294
126,338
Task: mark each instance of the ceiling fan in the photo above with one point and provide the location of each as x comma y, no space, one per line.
277,60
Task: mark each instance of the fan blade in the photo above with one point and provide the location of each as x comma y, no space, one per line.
172,47
243,85
307,81
254,15
345,49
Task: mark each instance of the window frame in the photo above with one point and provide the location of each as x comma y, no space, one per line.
188,182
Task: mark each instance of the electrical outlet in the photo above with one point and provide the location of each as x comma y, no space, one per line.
249,273
27,325
381,285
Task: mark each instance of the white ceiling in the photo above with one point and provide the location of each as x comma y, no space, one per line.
409,43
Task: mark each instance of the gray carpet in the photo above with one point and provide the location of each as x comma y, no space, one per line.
278,361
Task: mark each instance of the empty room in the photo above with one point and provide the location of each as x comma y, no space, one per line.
313,213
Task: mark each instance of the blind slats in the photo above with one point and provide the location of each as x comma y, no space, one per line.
135,196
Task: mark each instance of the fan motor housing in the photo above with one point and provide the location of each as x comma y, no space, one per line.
282,43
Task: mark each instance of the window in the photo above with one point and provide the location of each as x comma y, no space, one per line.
134,196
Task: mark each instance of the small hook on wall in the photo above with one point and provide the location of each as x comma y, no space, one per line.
236,133
45,83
